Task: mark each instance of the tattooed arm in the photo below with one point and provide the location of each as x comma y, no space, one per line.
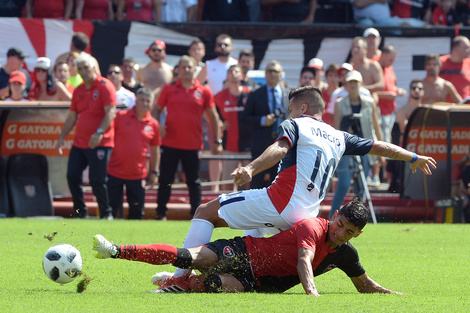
398,153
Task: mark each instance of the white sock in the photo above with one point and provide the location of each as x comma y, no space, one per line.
252,232
198,234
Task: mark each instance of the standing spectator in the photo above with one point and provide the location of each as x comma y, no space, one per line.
15,62
353,115
300,11
138,10
317,65
332,80
236,135
74,78
437,89
179,11
156,73
265,109
17,86
48,8
137,133
128,72
234,10
123,96
11,8
215,71
373,39
246,60
62,73
45,87
185,100
414,101
444,14
197,50
92,111
94,10
387,96
456,65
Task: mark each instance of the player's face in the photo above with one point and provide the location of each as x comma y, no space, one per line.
341,230
143,103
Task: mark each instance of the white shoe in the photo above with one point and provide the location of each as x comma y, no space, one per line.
159,278
105,248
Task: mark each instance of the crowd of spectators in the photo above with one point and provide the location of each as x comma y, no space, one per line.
415,13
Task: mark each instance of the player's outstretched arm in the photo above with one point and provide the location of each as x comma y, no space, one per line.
395,152
304,267
270,157
365,284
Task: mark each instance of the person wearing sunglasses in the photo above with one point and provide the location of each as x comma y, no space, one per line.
45,87
124,96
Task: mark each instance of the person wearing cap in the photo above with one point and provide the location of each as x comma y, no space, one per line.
156,73
17,85
373,39
45,87
92,111
353,114
317,64
15,62
124,96
341,92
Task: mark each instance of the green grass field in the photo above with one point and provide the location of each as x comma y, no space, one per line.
429,262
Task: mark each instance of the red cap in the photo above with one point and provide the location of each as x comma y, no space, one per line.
17,76
158,43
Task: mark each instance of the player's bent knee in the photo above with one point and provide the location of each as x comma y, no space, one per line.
213,283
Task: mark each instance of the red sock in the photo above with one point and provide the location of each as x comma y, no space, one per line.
157,254
196,283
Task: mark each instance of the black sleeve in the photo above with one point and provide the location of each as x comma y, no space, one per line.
345,258
356,145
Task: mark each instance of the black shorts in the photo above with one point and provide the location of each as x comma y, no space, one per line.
233,260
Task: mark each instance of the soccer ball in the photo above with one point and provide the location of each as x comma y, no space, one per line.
62,263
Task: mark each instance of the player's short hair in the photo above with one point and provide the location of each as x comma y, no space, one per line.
355,212
80,41
310,95
432,56
144,91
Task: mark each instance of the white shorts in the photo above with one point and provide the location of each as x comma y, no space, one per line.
250,209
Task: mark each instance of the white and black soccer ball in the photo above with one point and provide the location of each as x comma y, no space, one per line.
62,263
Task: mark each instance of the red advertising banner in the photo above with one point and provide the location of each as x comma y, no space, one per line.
432,141
21,137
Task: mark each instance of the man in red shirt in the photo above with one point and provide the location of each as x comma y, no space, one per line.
456,65
185,100
274,264
236,134
136,133
92,112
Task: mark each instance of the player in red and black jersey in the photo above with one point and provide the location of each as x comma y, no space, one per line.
309,248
